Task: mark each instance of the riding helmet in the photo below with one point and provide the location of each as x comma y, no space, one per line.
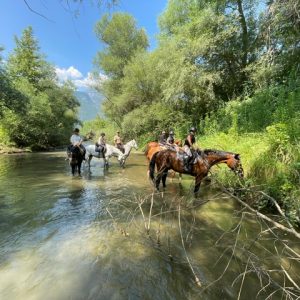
171,132
193,129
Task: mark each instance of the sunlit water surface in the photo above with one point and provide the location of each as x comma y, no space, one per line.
64,237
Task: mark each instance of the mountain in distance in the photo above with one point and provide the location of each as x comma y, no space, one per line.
90,104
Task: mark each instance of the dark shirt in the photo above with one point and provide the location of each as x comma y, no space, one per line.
186,142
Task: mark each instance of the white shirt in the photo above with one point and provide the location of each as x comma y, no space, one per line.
75,139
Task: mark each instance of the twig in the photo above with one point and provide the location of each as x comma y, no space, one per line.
150,213
289,277
276,224
35,12
198,282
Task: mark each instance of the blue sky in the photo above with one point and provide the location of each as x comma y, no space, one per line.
68,41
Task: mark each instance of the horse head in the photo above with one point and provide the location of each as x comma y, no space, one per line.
234,163
134,144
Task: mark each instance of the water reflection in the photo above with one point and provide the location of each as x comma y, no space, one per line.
58,240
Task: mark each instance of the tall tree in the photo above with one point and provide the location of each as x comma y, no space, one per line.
51,109
122,39
27,62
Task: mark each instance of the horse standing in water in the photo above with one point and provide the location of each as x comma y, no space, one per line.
168,159
75,158
110,151
154,147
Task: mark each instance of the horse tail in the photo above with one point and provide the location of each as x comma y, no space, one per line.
146,150
152,166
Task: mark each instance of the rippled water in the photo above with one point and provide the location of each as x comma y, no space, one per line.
64,237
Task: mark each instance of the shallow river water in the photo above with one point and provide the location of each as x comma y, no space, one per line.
64,237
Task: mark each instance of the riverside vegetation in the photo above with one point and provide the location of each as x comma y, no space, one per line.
231,68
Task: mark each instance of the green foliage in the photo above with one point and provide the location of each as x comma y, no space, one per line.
97,126
122,40
36,111
230,68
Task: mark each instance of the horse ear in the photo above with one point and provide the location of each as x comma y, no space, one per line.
237,156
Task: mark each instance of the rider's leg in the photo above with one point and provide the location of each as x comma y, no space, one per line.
187,162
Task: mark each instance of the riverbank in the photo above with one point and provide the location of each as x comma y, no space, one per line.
15,150
12,150
271,169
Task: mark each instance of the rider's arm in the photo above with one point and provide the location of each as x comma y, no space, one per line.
190,141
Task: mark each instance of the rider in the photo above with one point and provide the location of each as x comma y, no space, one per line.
101,143
188,148
171,139
118,142
76,141
162,138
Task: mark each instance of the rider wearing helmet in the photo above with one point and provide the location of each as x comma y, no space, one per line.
162,138
76,141
171,139
188,147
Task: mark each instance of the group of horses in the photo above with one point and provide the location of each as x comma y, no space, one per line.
167,158
76,157
164,158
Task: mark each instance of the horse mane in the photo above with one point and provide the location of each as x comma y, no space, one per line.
213,151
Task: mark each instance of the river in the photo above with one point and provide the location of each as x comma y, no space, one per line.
64,237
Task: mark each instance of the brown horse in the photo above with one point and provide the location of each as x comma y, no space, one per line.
154,147
204,160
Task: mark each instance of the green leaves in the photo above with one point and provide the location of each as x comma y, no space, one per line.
122,39
37,112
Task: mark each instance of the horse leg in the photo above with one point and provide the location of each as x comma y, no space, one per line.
73,169
180,177
157,181
79,167
198,180
159,176
164,177
106,165
89,160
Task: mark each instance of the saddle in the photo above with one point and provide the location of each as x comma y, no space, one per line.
121,148
99,148
181,155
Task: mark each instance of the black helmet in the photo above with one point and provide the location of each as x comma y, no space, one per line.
76,130
102,134
171,132
193,129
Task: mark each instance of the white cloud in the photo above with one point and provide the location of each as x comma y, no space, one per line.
78,79
89,81
67,74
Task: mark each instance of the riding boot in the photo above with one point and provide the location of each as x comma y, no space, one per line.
187,164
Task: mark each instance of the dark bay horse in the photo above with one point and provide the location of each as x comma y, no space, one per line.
76,156
171,160
154,147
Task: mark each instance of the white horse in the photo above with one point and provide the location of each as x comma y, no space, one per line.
110,151
128,146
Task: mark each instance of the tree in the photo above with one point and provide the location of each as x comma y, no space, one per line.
220,38
49,110
122,40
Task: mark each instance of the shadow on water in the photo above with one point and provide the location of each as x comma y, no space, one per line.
61,236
